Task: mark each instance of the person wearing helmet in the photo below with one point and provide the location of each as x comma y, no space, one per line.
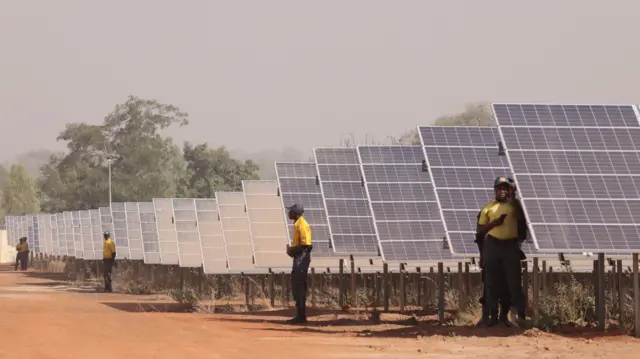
22,256
108,259
501,254
300,251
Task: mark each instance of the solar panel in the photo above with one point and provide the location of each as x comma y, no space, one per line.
30,233
214,257
150,243
576,168
88,245
134,233
348,214
71,245
267,227
120,234
189,251
77,235
403,204
167,238
96,233
463,162
55,245
297,183
46,226
235,229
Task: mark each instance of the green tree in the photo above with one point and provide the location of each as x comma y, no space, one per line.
144,163
19,193
4,174
213,169
474,114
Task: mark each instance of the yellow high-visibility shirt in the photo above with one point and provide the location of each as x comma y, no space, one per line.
109,249
492,211
22,247
301,233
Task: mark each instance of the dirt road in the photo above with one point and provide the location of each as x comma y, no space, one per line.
43,318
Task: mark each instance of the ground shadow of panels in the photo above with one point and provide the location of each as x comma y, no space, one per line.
214,257
267,227
167,238
187,234
348,214
97,233
88,246
298,184
576,168
149,231
235,229
120,234
464,162
403,204
134,233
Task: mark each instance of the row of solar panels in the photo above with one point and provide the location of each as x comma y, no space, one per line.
576,167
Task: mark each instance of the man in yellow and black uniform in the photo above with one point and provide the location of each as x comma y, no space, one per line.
300,251
501,224
22,256
108,259
504,298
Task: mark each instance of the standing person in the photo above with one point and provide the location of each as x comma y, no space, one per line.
501,252
108,259
23,254
300,251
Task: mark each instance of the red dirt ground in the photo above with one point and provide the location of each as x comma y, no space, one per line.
41,318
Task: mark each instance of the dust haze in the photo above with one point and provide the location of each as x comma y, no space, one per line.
272,79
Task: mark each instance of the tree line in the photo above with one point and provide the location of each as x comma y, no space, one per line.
144,163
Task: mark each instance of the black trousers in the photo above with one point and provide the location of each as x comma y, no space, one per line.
502,264
299,275
504,298
23,259
108,268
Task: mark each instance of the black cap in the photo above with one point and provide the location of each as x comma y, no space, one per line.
502,180
296,208
106,235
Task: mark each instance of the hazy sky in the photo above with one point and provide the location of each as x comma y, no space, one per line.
260,74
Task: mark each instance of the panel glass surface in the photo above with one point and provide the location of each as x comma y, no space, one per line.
349,218
298,184
410,216
576,168
235,230
267,224
464,162
120,233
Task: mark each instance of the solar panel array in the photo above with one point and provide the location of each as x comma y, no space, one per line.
267,228
187,234
298,184
150,243
405,212
134,232
167,237
214,258
96,233
576,167
348,213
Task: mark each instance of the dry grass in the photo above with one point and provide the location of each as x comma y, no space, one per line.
569,301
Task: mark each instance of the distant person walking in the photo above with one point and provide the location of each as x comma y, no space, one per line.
22,256
300,251
108,259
